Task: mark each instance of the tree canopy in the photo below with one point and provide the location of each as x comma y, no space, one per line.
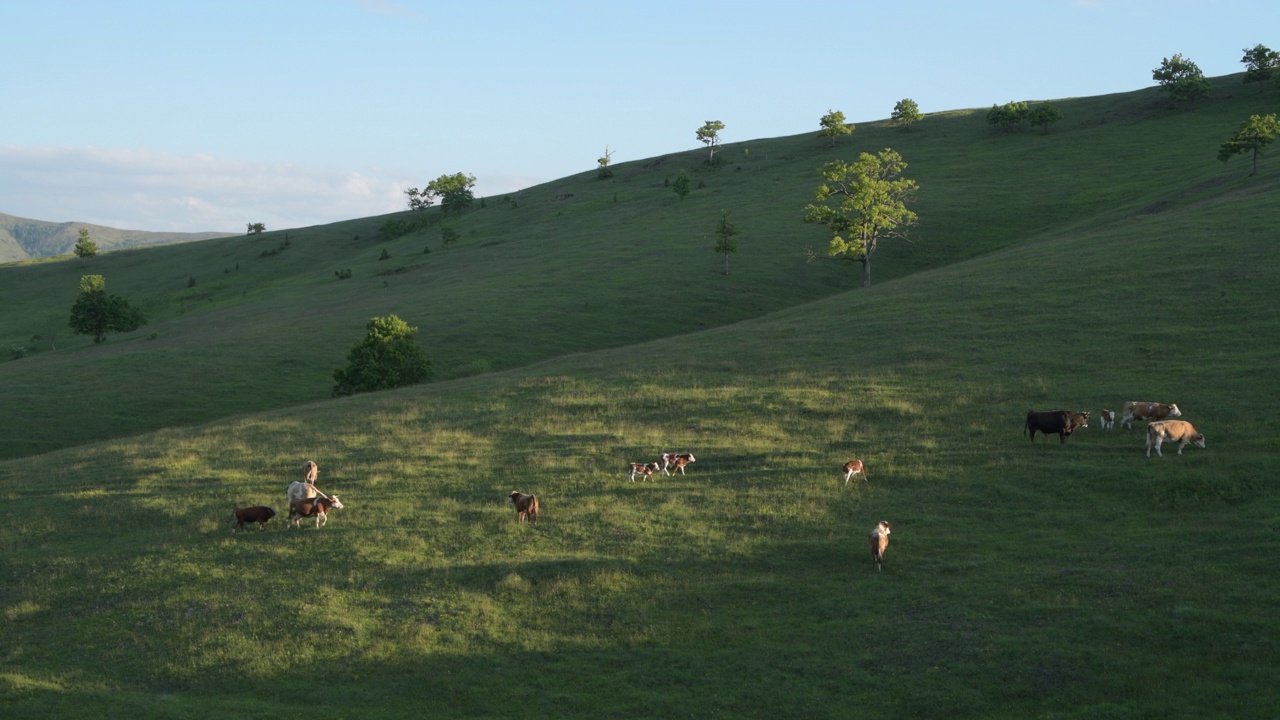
682,184
1260,63
906,113
96,313
454,192
872,205
1043,116
1254,134
726,243
85,248
1182,79
1007,117
709,135
255,228
388,357
833,126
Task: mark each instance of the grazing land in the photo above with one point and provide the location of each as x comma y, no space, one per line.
1113,259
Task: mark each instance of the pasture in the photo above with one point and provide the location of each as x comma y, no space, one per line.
1023,579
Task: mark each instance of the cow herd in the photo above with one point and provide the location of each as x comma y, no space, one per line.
1160,428
305,500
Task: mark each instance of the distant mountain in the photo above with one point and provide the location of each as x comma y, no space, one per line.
21,238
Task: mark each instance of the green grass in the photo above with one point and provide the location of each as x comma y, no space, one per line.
1024,579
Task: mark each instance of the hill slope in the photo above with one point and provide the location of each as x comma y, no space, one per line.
23,239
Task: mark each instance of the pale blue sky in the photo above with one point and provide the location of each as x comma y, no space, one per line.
183,115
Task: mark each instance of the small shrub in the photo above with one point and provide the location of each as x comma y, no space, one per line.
343,274
191,281
385,255
17,353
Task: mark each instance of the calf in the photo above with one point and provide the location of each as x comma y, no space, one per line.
1138,410
678,460
1059,422
879,541
1108,418
854,467
316,507
310,471
526,506
1179,431
645,469
257,514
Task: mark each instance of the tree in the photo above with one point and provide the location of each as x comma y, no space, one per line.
906,113
681,184
1260,62
1255,134
85,248
454,192
1007,117
448,235
872,206
1043,116
419,199
255,228
1182,79
833,126
602,171
96,313
709,135
725,242
387,358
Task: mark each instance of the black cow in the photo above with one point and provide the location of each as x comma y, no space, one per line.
1061,422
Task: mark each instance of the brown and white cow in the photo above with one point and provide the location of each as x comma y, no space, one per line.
1107,418
259,514
1138,410
527,506
852,468
676,461
1179,431
645,469
316,507
1055,422
879,542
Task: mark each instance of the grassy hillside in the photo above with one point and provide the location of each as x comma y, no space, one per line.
22,239
1024,579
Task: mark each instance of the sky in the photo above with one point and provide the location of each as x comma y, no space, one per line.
177,115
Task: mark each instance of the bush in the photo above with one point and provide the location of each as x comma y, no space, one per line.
388,357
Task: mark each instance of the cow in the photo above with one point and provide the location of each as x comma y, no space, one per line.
1108,418
669,459
259,514
879,541
310,471
1179,431
300,490
645,469
316,507
526,506
1138,410
1059,422
854,467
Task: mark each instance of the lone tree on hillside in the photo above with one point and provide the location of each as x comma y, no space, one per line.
726,244
255,228
1260,63
709,135
833,126
96,313
906,113
454,192
387,358
1043,116
1255,134
682,184
872,206
1007,117
85,248
602,171
1182,79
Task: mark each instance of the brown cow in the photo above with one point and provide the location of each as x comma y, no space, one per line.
854,467
677,460
879,541
316,507
526,506
1179,431
645,469
1059,422
259,514
1138,410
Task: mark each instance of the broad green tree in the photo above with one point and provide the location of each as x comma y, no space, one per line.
833,126
709,135
871,205
1255,134
454,192
726,243
682,184
255,228
96,313
85,248
388,357
1043,116
1182,79
906,113
1260,63
419,199
1009,116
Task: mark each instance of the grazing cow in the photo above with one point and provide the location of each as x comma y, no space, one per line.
854,467
1179,431
526,506
1137,410
670,459
257,514
879,541
1059,422
1108,418
316,507
645,469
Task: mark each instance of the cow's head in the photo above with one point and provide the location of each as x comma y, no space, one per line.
1174,411
1197,440
1077,420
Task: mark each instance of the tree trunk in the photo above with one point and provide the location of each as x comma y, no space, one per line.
866,272
726,263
